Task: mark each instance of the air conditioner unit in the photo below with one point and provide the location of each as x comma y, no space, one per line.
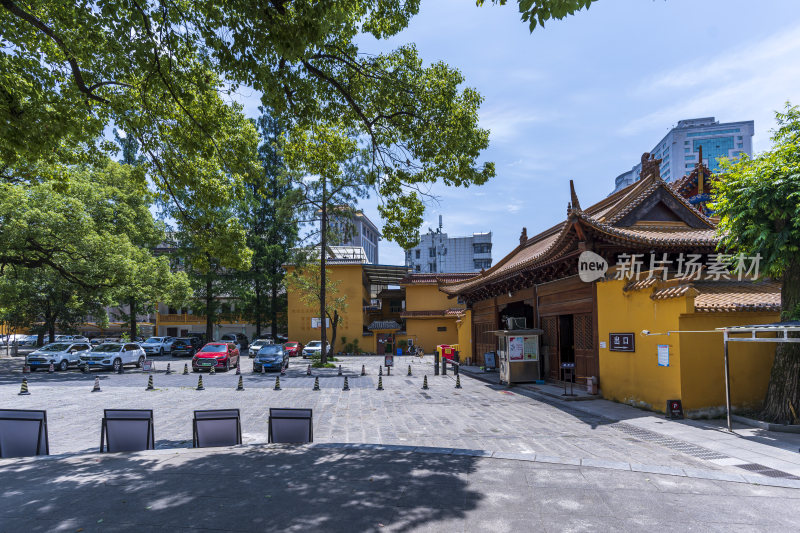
515,322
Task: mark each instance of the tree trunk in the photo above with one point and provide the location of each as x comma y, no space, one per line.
273,309
334,324
784,381
133,319
257,287
322,277
209,309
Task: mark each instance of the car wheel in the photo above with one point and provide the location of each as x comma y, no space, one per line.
161,352
33,369
227,365
117,365
140,361
195,369
63,365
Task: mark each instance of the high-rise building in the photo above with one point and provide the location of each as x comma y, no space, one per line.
355,229
438,253
679,148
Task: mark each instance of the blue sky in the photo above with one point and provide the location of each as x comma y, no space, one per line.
582,98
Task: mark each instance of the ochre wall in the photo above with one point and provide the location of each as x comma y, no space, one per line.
635,377
464,328
424,333
702,361
695,374
352,325
428,298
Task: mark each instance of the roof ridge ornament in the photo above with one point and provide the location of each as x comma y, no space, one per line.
650,166
573,196
523,237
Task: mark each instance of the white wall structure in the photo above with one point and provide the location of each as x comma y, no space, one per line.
439,253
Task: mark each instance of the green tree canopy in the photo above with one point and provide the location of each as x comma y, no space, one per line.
536,12
164,73
758,202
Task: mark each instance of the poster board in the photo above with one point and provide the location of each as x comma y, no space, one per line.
663,355
147,366
489,361
523,348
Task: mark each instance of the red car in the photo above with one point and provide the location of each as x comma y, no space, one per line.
293,348
222,355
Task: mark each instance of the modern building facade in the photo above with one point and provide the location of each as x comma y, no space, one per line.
437,253
356,229
679,149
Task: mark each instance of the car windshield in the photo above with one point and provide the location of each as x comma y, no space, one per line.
259,342
314,344
55,347
183,341
214,348
153,339
107,348
270,349
291,344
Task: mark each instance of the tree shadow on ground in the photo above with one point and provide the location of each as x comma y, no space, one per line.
266,488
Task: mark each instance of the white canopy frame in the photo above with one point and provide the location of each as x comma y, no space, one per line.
780,329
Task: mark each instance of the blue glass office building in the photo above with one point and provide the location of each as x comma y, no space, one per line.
679,148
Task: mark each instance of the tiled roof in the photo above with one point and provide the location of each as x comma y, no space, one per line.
738,296
433,279
716,296
599,218
383,324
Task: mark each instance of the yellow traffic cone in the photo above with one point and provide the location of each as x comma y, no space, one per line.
240,387
346,385
425,382
96,387
23,391
213,369
185,368
200,383
409,370
458,381
363,370
316,383
149,383
380,382
277,383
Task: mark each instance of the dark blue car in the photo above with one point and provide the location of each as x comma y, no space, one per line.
271,357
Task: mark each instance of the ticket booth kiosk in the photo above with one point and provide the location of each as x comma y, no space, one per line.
518,355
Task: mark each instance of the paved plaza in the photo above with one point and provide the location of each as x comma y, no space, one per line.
479,458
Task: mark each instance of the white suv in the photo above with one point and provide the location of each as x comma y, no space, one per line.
61,354
158,345
114,355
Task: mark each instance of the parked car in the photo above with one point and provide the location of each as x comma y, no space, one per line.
158,345
114,355
71,338
222,355
257,344
61,354
293,348
239,339
271,357
315,348
200,338
183,346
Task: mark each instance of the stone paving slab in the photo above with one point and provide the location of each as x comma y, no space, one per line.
479,420
318,488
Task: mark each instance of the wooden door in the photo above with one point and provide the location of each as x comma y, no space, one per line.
550,346
586,361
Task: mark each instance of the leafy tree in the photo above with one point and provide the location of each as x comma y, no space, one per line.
271,222
758,201
307,282
163,73
538,11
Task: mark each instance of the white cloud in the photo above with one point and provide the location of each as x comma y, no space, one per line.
507,123
748,83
